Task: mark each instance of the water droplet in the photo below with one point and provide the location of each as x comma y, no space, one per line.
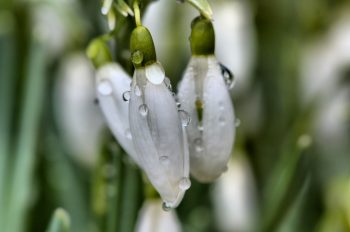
178,104
168,83
222,121
105,87
166,207
228,76
104,10
137,57
198,144
107,4
128,134
185,118
200,126
143,110
155,73
237,122
184,183
221,105
164,160
126,96
137,91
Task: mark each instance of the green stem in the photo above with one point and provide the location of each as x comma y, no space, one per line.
114,194
7,84
27,139
132,198
137,13
60,221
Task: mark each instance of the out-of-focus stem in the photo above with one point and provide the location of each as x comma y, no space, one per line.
27,137
132,198
60,221
7,84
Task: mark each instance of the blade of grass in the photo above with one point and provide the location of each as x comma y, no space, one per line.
7,83
60,221
27,137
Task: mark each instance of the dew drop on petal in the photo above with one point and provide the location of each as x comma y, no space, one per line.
200,126
184,183
143,110
237,122
228,76
185,118
222,121
164,160
137,91
221,105
105,87
126,96
155,73
198,144
166,207
168,83
137,56
128,134
178,104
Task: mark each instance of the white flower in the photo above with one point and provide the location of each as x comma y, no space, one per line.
204,94
149,128
79,119
112,86
152,219
158,134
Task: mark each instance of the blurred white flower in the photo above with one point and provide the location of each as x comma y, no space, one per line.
234,197
153,219
235,38
324,60
79,118
52,24
204,94
155,139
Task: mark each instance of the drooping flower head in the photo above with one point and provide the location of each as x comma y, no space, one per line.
155,123
203,93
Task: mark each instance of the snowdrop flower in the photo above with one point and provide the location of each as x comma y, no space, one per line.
113,84
155,123
152,219
79,119
156,138
203,93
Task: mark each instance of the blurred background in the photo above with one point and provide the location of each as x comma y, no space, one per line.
61,170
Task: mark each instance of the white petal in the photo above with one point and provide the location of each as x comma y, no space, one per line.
153,219
112,82
158,138
155,73
211,142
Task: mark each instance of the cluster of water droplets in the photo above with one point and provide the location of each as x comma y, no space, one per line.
228,76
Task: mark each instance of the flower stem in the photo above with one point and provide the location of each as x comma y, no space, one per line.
137,13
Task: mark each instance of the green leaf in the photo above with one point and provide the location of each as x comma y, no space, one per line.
60,221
